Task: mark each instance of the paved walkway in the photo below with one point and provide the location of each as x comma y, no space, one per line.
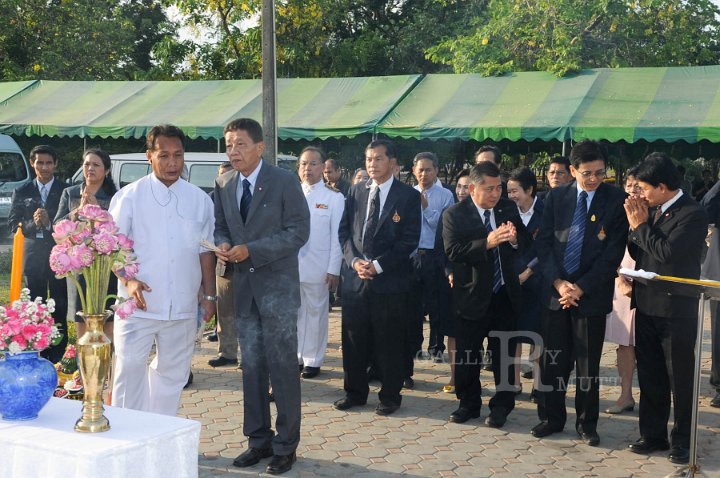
419,441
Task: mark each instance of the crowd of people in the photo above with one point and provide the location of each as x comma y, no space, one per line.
492,263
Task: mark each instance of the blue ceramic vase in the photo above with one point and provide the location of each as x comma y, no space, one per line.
27,381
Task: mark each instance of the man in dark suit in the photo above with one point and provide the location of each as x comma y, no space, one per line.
261,222
379,230
482,239
580,245
34,205
333,176
667,239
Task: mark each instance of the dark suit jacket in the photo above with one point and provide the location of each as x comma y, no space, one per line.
396,237
603,246
672,246
25,201
465,240
276,227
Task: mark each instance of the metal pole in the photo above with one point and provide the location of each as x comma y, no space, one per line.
693,468
269,83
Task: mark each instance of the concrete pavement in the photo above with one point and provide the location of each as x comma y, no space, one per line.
419,441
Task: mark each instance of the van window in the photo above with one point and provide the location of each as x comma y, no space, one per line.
203,176
130,172
12,168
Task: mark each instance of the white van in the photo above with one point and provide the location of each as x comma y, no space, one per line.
200,168
14,172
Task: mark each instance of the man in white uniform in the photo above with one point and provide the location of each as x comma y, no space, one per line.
167,217
319,261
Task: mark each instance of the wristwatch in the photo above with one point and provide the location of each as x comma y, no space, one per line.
212,298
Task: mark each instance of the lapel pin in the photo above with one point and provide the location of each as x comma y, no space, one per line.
601,235
592,218
396,216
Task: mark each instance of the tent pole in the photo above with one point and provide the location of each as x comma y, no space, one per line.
269,83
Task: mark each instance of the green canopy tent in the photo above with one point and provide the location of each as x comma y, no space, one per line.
627,104
307,108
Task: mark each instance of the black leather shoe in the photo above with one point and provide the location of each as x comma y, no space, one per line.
252,456
347,403
462,414
281,463
386,408
497,417
527,374
715,402
409,383
212,337
534,396
301,367
679,455
221,361
590,438
544,429
189,380
310,372
644,446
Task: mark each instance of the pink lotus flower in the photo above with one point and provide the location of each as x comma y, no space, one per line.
82,256
62,230
106,227
92,212
125,309
124,242
104,243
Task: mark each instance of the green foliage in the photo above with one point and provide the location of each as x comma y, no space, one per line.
79,39
564,36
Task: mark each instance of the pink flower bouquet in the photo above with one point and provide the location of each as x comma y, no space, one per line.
93,247
28,325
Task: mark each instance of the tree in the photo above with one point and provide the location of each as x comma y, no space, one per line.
78,40
564,36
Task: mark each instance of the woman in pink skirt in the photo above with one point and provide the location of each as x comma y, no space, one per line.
620,326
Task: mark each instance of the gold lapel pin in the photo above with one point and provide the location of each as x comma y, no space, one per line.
601,235
592,218
396,216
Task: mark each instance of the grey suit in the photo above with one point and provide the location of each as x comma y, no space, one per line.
266,287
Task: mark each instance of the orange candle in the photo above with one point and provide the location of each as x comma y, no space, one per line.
17,264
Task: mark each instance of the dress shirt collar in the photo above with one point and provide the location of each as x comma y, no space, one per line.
666,205
253,176
526,216
308,188
384,187
48,185
436,184
590,194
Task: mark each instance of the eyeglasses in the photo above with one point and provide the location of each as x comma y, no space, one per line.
598,174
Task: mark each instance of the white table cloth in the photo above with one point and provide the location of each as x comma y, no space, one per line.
139,444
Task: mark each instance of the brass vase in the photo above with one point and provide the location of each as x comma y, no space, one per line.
94,354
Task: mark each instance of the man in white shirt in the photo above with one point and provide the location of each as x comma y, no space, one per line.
319,261
167,218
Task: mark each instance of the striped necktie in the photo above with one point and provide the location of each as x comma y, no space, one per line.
573,249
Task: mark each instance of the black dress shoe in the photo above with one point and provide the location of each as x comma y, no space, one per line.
715,402
310,372
590,438
497,417
221,361
409,383
527,374
644,446
679,455
347,403
462,414
300,368
544,429
281,463
212,337
534,396
189,380
252,456
386,408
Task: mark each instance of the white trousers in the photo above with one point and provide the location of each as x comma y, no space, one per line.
312,325
155,387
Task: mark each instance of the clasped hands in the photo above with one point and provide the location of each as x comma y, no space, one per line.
636,209
232,254
503,233
41,218
365,269
570,293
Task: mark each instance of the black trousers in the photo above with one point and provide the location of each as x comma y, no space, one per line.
665,353
415,316
57,290
471,333
373,321
432,285
571,340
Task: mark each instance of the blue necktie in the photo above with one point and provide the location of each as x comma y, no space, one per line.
245,200
497,274
573,249
44,194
